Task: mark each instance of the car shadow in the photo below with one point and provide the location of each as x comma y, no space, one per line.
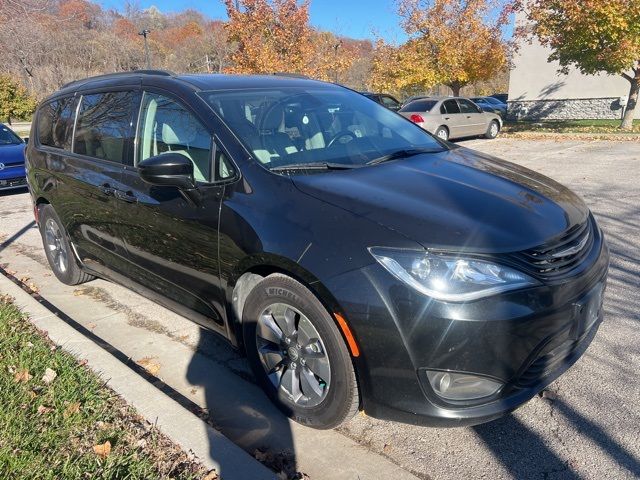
238,408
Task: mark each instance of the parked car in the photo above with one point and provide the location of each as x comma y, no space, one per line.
383,99
490,104
502,97
12,174
452,117
361,262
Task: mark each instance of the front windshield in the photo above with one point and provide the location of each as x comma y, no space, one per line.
7,137
297,126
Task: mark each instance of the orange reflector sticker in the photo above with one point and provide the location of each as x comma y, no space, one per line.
353,346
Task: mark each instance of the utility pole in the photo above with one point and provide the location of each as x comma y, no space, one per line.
335,61
144,33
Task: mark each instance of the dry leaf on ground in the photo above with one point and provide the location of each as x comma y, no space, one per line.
212,475
49,376
150,365
42,410
103,450
71,409
22,376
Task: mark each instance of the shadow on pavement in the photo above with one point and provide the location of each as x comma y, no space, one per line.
239,408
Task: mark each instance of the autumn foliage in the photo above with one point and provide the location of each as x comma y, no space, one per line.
451,42
593,35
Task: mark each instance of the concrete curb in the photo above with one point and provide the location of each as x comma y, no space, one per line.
212,448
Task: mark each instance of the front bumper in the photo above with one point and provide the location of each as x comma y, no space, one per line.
524,339
13,177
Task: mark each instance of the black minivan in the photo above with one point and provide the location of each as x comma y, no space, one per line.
361,262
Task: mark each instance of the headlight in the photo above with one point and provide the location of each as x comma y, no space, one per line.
449,278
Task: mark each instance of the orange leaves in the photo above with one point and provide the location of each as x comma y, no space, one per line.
103,450
22,376
272,36
450,42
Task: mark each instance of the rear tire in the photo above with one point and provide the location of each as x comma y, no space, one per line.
58,250
492,130
297,353
442,133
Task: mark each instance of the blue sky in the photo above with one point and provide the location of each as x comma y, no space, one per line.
351,18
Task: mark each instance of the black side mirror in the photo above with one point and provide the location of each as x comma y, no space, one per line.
26,139
168,169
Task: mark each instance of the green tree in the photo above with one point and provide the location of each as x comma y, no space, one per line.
15,102
595,36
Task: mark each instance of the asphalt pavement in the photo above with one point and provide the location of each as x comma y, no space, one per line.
587,425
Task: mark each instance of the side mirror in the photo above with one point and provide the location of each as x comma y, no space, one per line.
26,139
169,170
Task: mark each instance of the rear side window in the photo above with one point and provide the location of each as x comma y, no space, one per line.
419,106
55,123
104,125
451,106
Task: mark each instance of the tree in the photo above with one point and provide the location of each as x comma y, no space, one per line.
15,102
593,35
271,35
451,42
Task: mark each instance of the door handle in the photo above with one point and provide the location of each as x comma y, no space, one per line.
468,116
125,196
107,189
447,118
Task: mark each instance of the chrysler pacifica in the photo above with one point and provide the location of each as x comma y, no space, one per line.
361,262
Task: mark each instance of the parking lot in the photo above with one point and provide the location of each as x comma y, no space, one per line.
587,425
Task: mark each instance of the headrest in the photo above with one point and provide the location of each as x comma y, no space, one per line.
181,129
272,118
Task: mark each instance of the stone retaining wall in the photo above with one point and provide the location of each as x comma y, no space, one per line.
569,109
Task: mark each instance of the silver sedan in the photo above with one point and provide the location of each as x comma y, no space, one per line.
452,117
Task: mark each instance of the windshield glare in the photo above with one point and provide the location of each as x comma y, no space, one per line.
296,125
7,137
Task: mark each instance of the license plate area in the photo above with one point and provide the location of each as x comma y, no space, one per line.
587,311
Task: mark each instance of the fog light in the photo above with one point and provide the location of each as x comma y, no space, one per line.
461,386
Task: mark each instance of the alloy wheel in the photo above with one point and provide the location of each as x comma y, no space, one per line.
55,245
293,355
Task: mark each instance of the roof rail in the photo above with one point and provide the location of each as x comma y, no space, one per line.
292,75
165,73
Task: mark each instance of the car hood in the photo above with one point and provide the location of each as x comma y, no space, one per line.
455,199
12,154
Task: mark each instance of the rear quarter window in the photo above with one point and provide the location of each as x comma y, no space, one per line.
55,123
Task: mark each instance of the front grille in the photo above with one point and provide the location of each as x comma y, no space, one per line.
13,183
557,258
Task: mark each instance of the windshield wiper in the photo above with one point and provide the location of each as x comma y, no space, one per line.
402,154
314,166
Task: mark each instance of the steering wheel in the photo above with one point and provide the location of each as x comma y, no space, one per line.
341,134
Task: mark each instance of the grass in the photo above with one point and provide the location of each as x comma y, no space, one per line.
571,126
60,429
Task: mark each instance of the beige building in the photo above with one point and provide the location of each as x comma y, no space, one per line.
538,92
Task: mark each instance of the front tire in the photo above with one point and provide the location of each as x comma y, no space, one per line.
297,354
58,249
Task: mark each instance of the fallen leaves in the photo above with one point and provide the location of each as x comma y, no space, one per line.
212,475
49,376
103,450
22,376
43,410
71,409
150,365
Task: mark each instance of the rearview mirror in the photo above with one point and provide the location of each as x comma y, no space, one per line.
169,170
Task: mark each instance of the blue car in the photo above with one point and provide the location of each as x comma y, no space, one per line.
12,174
